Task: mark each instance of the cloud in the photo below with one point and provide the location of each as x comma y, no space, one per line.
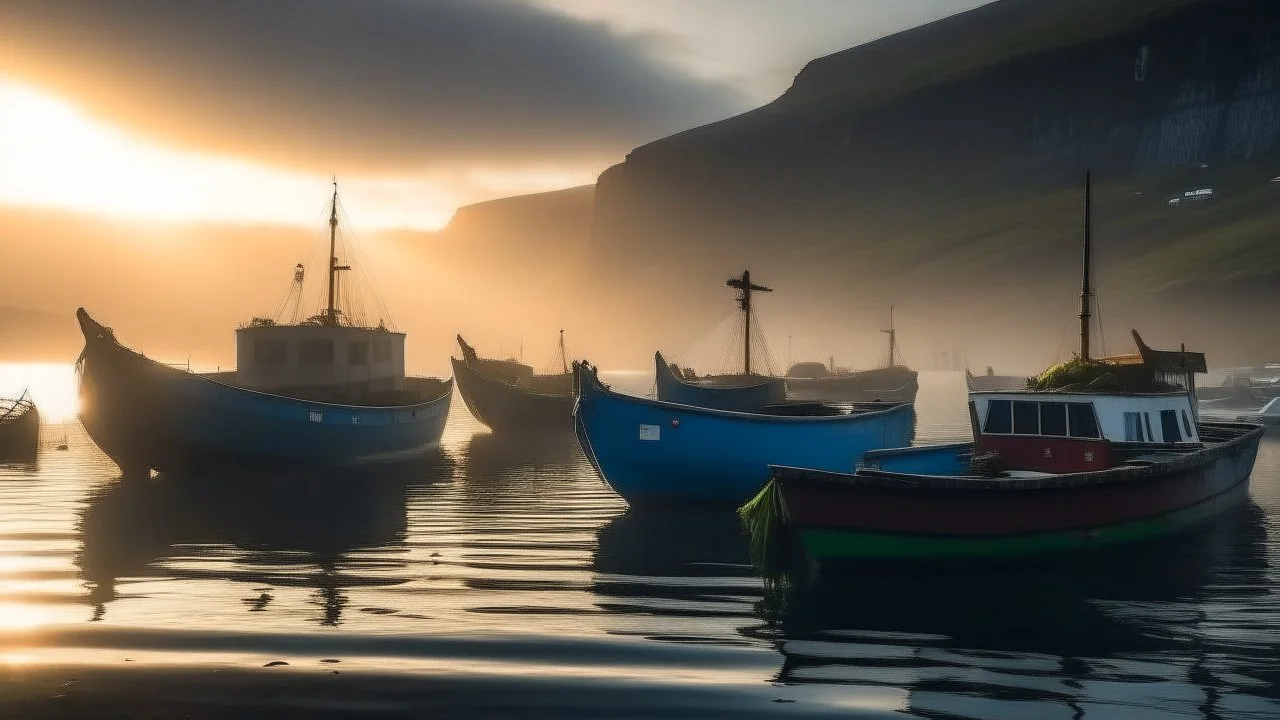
367,85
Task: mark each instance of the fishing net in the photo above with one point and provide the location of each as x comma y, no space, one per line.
1095,376
774,547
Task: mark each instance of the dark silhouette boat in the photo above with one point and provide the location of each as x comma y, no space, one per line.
892,383
19,428
329,390
742,392
1072,462
507,397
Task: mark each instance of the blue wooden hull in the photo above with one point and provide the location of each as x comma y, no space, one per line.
148,416
743,393
653,451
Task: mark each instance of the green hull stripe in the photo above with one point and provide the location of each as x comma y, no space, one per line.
828,544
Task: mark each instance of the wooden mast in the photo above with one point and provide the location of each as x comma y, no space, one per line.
893,336
744,301
331,311
1086,291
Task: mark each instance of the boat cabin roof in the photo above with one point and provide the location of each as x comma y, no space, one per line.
1114,417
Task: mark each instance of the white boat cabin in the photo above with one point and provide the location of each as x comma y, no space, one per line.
354,360
1077,432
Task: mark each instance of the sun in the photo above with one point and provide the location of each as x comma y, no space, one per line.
55,155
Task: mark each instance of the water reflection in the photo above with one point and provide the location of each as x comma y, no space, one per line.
676,574
1134,628
10,468
494,461
279,530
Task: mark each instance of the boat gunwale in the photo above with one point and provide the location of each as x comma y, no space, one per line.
17,408
1129,472
599,387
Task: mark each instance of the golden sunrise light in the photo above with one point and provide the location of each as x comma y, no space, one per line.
54,155
552,358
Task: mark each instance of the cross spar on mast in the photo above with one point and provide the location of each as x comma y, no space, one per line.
893,336
331,312
744,301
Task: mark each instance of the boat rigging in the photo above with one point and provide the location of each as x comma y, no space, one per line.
746,287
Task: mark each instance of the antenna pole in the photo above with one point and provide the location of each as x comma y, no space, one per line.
893,336
564,358
1086,291
331,316
746,308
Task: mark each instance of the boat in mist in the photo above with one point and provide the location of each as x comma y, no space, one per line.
892,383
992,381
1071,462
19,428
1269,414
327,390
506,395
652,451
743,391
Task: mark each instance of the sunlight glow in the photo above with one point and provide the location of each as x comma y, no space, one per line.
53,387
21,616
54,155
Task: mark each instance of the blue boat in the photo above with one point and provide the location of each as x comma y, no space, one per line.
724,392
650,451
327,391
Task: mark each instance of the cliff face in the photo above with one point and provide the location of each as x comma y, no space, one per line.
941,169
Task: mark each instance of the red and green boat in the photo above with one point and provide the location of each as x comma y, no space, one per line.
1093,453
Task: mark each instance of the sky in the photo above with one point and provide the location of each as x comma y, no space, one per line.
242,110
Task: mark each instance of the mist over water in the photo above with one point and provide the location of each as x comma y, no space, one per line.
507,578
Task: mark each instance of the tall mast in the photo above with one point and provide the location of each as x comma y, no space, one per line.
893,336
564,358
331,314
744,301
746,308
1086,291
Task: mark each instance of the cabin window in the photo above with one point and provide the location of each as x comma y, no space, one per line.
358,353
1133,427
1053,419
1186,425
1151,437
315,352
1084,424
1169,426
999,418
1026,418
382,351
269,352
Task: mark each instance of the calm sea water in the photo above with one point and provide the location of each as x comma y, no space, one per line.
506,579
